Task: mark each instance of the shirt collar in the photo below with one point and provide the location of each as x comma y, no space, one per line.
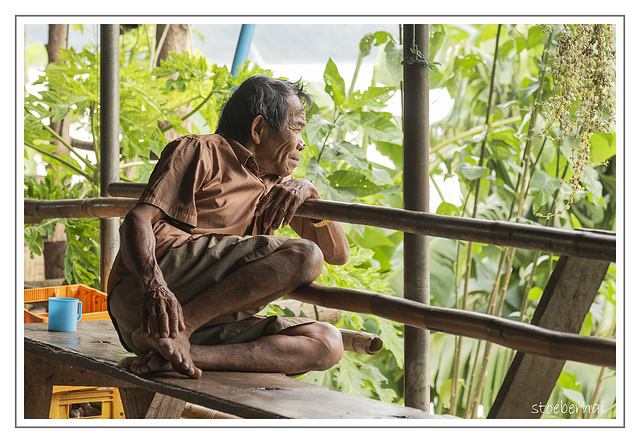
245,157
248,160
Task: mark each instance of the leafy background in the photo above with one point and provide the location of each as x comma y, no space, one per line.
480,148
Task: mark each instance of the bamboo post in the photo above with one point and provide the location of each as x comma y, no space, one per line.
109,140
416,198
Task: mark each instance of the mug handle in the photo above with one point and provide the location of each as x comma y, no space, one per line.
79,310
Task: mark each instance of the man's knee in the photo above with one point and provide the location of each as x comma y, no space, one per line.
307,257
335,347
328,348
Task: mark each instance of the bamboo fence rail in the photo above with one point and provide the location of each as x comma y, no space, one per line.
599,245
508,333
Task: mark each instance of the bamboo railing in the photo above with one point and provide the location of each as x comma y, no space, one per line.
599,245
509,333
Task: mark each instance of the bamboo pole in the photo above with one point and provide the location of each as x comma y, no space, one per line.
508,333
192,411
100,207
361,342
109,142
415,117
599,245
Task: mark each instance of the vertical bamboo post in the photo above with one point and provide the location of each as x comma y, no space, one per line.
416,197
109,140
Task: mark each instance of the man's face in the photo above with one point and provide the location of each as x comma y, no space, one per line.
279,152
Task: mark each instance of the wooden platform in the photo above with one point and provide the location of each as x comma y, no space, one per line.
93,356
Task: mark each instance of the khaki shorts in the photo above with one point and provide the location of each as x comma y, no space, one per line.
189,270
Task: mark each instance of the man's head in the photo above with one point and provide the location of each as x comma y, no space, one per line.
268,115
259,95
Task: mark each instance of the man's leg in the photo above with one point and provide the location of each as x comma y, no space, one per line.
295,263
298,349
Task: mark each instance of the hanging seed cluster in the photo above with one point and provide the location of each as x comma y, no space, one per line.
582,98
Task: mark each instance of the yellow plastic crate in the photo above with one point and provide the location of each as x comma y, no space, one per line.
79,402
94,302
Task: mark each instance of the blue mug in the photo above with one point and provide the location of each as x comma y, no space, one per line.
64,313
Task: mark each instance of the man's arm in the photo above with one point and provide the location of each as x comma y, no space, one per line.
161,313
280,206
330,238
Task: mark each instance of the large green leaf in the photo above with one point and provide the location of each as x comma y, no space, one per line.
374,97
603,146
318,128
334,83
472,172
543,187
351,154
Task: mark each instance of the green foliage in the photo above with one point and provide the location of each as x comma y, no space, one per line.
497,182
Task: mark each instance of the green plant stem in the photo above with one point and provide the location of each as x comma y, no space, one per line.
68,146
150,38
523,186
473,131
486,127
477,388
197,108
58,159
179,105
435,185
596,391
137,163
355,74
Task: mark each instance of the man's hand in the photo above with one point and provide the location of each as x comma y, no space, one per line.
283,200
161,314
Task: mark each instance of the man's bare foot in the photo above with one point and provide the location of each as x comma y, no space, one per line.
152,361
176,351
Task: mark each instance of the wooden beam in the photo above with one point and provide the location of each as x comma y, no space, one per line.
93,356
563,307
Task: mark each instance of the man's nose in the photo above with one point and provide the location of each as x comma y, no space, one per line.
301,143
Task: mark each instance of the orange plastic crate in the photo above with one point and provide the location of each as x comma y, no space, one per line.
94,302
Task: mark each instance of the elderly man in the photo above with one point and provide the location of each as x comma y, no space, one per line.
198,259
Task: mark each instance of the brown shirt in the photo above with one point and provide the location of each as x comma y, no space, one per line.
205,184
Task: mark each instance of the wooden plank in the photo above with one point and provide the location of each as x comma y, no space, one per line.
44,370
563,307
95,347
141,403
37,400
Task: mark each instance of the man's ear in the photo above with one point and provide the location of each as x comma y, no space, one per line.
257,129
